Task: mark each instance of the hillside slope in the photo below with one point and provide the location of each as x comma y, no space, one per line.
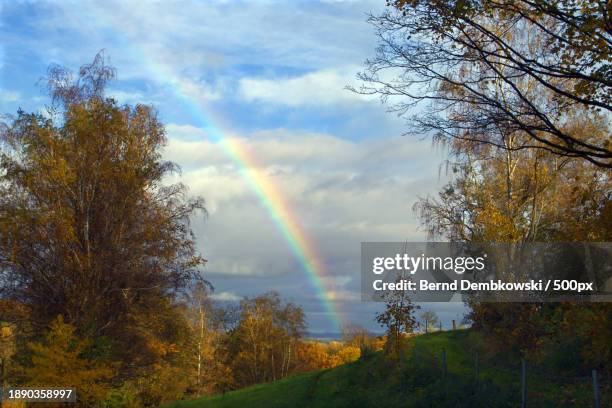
418,381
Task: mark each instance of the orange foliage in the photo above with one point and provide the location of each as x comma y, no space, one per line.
316,355
58,361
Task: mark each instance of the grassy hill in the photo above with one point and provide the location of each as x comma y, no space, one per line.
417,382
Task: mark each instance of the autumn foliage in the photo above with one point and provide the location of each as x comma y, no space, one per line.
100,280
61,360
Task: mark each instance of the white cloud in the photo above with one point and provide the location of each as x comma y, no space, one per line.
322,87
294,34
125,96
339,192
280,149
195,37
181,133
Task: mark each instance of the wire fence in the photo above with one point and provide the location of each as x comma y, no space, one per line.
530,383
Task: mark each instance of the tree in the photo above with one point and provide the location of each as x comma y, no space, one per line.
89,229
397,319
7,350
311,356
263,345
60,361
314,355
211,372
515,197
487,70
357,336
519,197
430,318
343,353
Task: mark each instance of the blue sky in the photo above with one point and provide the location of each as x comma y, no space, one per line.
274,74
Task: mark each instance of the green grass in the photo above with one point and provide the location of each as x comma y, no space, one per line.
417,381
274,394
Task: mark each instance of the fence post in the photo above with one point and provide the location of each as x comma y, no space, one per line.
595,389
453,324
523,383
443,363
440,325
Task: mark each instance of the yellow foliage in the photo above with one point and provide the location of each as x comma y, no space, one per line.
12,404
163,383
6,331
496,225
313,356
58,362
349,354
316,355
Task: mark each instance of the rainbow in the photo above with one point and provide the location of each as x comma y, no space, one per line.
286,222
269,195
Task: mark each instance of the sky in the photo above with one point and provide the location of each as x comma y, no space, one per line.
272,76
